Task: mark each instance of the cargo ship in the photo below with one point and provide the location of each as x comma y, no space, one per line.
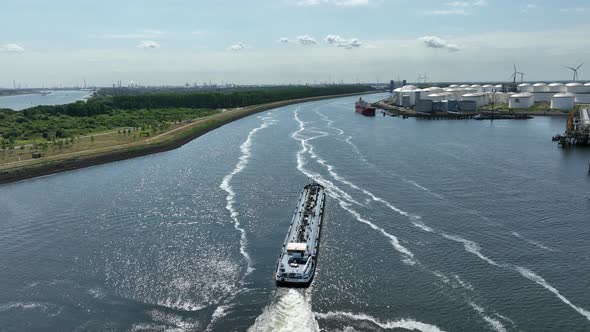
364,108
299,254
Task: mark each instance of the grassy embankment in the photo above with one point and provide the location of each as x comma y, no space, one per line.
100,145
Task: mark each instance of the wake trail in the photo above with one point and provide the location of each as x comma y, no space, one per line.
406,323
344,199
290,310
408,256
225,185
535,243
469,246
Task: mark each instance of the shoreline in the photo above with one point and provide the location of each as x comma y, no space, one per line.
168,141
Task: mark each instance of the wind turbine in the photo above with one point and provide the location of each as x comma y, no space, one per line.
513,76
575,70
521,76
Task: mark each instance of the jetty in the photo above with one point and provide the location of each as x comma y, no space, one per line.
577,130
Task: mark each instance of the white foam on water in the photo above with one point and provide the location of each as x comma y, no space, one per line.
423,227
506,319
463,283
423,188
344,199
23,306
225,185
173,322
535,243
331,188
97,293
409,256
289,311
494,323
539,280
405,323
471,247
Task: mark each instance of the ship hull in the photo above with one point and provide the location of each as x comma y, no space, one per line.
294,270
369,111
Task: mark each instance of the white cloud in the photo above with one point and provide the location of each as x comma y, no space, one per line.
141,34
284,40
333,2
448,12
237,47
457,8
148,44
306,40
528,8
437,42
466,4
343,42
11,48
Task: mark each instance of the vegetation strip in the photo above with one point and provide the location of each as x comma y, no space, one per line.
164,142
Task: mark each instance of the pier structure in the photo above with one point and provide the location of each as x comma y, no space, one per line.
577,130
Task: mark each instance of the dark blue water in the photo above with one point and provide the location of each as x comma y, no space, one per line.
430,226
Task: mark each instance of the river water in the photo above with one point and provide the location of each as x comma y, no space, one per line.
429,226
54,97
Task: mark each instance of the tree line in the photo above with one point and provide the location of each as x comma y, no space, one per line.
150,110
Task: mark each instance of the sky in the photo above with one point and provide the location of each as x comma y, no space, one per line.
173,42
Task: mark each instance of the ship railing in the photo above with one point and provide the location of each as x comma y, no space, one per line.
307,264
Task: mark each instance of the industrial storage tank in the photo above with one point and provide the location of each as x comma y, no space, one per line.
541,91
556,87
574,87
521,100
477,87
488,88
479,98
467,106
525,87
453,86
424,106
584,97
563,101
540,87
464,86
498,87
436,96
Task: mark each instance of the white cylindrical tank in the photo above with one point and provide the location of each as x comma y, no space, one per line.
556,87
480,98
464,86
574,87
587,87
453,86
477,87
435,96
521,100
583,98
488,88
540,87
563,101
525,87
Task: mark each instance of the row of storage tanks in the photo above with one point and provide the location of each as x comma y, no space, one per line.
470,97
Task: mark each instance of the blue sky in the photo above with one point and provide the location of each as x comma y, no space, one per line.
179,41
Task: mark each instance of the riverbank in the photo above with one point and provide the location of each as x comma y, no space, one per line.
166,141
